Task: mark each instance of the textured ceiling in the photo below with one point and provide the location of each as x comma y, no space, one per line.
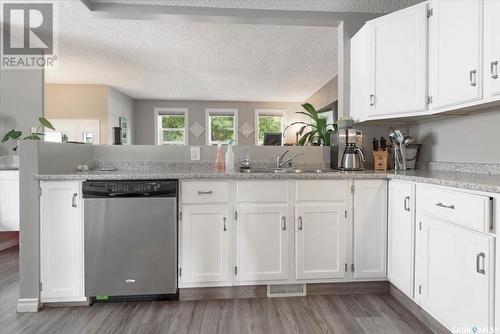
155,59
358,6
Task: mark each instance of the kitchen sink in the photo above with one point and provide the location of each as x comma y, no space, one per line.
290,170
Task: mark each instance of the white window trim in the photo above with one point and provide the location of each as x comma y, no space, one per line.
170,111
273,112
233,112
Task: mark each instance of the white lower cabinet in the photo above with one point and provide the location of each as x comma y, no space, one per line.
9,200
321,237
262,242
206,234
401,236
369,230
455,275
61,242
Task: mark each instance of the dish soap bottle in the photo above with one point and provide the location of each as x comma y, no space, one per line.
230,158
219,160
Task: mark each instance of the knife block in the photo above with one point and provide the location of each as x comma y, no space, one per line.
381,160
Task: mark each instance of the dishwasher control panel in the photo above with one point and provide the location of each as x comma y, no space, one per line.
130,188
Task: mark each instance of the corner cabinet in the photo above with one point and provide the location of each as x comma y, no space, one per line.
491,49
398,63
369,230
401,236
61,242
456,34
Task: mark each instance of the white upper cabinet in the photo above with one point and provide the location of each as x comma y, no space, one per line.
206,232
61,242
492,49
370,230
455,73
401,236
398,63
360,64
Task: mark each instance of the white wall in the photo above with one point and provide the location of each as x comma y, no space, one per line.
120,105
473,138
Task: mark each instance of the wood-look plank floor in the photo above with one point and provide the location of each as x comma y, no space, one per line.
314,314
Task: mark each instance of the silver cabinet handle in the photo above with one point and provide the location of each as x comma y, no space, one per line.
494,69
441,205
407,203
472,78
372,100
205,192
300,223
73,200
224,223
283,223
478,263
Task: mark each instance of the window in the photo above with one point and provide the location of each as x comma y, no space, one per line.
268,121
222,126
171,125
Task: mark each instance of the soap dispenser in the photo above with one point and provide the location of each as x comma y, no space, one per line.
219,160
230,158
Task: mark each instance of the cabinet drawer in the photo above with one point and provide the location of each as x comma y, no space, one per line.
204,192
473,211
262,191
321,190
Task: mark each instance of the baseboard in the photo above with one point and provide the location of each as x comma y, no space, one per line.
28,305
9,243
260,291
82,302
432,324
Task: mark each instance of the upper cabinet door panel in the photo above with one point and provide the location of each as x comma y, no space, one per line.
455,52
398,62
492,49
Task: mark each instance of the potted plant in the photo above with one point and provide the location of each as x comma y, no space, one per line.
37,135
319,131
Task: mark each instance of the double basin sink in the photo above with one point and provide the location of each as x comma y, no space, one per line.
291,170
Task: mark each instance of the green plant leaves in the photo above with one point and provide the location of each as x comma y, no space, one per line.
46,123
11,135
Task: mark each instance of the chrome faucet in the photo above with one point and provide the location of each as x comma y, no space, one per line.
279,160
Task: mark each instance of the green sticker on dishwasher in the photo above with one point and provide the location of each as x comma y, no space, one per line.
101,297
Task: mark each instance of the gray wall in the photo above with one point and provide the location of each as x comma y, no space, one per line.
144,117
325,95
120,105
472,138
21,102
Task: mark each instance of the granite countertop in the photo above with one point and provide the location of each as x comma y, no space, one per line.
471,181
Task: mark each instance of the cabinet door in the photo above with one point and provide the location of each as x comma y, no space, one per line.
61,241
360,79
401,236
455,52
205,241
455,274
398,62
9,201
262,234
370,229
492,48
320,241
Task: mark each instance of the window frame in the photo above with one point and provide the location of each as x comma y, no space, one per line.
159,129
221,112
269,112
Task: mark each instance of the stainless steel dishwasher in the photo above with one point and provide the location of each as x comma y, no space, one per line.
130,240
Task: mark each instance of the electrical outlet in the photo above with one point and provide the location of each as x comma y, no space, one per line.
195,153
